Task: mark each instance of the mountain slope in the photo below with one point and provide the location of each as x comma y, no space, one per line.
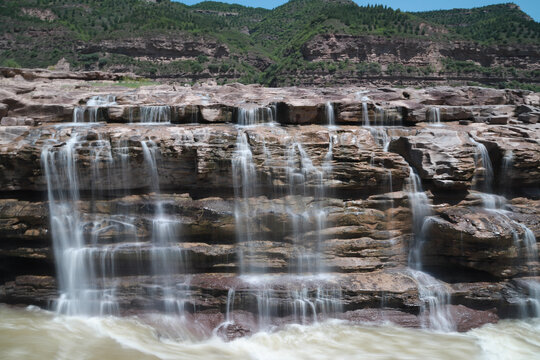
299,39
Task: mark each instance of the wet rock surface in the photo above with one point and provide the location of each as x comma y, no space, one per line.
481,254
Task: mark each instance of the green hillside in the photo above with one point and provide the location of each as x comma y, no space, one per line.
263,43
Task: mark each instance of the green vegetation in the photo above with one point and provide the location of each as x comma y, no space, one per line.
495,24
517,85
264,46
469,67
127,82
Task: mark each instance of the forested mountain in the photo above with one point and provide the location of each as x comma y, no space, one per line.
300,42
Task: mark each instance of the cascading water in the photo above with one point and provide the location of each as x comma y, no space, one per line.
167,258
155,114
435,116
505,184
91,112
244,180
421,210
307,296
300,172
330,114
78,275
484,166
365,112
255,116
434,294
378,127
496,204
88,243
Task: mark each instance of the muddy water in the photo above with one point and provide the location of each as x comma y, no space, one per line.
36,334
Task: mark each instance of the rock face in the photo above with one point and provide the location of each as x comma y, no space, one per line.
166,47
412,52
293,200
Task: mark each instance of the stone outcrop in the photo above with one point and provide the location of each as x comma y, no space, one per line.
413,52
359,174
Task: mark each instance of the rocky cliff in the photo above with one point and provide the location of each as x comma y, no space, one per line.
243,175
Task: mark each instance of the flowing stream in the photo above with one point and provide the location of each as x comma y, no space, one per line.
35,334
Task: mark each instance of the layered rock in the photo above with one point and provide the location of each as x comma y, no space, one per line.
359,175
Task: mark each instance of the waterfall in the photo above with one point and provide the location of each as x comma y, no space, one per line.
87,243
167,258
300,173
433,294
436,298
255,116
230,306
496,204
483,175
435,116
481,158
90,112
381,136
530,301
303,295
507,169
244,180
155,114
421,210
365,112
75,259
378,131
330,114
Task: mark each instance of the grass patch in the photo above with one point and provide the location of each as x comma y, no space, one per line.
126,82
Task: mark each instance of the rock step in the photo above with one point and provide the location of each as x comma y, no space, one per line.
283,114
206,292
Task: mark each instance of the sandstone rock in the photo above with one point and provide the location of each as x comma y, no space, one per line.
216,114
3,110
451,168
523,109
466,319
490,242
481,119
529,118
367,230
16,121
498,120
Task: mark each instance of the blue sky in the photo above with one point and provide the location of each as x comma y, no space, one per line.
531,7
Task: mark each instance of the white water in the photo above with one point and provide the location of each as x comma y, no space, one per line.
365,112
256,116
379,126
435,116
87,243
37,335
77,273
304,298
483,177
507,172
244,182
496,204
90,112
167,258
330,114
421,209
155,114
433,293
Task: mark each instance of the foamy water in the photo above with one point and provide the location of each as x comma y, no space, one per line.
36,334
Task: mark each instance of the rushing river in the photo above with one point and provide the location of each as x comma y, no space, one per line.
36,334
